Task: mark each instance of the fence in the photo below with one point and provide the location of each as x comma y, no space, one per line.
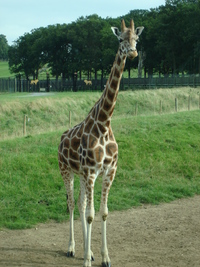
14,85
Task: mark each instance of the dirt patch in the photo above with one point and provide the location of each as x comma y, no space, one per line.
163,235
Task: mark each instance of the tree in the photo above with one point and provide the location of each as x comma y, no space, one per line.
3,47
26,55
57,47
170,42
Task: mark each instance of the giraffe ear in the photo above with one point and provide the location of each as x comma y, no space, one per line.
139,30
116,32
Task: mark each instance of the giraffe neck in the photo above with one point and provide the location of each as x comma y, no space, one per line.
104,108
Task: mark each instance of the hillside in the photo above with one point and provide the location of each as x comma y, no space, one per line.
48,112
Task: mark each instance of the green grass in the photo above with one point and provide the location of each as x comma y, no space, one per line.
4,70
158,162
52,112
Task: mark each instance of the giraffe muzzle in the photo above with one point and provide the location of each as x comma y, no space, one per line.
132,54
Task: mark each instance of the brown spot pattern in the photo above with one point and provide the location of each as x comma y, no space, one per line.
74,165
90,162
118,61
111,75
101,141
73,155
89,125
102,128
90,154
95,131
107,161
92,141
110,95
117,73
107,105
75,143
84,141
80,131
66,142
66,152
111,149
113,85
111,136
97,111
102,116
99,153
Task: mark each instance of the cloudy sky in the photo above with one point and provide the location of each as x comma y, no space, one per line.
20,16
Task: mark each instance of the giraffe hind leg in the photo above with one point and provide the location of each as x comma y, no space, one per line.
107,182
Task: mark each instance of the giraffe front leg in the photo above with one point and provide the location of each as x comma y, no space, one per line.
88,255
69,184
107,182
82,201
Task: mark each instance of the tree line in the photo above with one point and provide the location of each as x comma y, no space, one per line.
169,44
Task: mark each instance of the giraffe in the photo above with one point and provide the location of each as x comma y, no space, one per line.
89,149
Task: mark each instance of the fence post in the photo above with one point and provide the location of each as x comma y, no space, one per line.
160,106
69,119
176,104
136,108
8,84
15,89
24,128
189,102
199,101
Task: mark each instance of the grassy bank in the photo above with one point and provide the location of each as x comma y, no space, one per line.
51,112
158,162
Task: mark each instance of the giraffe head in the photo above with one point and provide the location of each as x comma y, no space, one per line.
128,38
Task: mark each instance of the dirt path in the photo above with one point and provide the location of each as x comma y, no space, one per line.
149,236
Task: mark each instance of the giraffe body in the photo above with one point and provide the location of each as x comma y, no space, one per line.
89,149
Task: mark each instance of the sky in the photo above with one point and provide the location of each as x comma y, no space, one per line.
18,17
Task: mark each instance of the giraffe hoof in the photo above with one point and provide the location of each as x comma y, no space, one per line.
92,258
106,264
70,254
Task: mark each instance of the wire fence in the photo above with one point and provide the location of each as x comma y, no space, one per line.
58,85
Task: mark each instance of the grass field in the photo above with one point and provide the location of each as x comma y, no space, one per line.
158,155
4,70
52,111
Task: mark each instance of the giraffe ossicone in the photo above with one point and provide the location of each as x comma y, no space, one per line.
89,149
